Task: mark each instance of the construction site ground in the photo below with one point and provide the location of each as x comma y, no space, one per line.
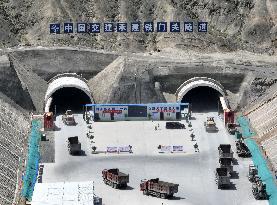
193,171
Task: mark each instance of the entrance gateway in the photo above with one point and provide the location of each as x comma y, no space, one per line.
135,112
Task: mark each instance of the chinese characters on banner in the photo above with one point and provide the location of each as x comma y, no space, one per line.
146,27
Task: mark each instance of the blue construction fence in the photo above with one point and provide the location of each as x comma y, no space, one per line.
258,160
30,176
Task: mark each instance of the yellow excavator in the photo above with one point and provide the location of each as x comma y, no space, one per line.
210,125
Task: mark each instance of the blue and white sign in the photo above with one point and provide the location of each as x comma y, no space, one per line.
188,26
175,27
94,27
178,148
135,27
162,27
148,27
203,27
68,28
108,27
55,28
121,27
124,149
81,27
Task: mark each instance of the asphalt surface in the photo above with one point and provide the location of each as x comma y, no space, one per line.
193,171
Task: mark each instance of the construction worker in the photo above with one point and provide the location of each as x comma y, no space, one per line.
196,147
192,136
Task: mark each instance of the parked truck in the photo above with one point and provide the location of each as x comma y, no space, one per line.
252,173
225,151
222,178
115,178
227,163
242,149
74,146
259,189
158,188
231,128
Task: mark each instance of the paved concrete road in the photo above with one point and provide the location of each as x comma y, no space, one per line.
193,171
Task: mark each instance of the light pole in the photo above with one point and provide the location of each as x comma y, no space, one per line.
136,87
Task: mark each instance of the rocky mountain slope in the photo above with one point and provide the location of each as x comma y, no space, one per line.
233,24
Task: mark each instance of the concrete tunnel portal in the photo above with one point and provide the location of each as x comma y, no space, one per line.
202,93
67,91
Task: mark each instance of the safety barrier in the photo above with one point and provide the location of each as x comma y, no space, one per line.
31,173
245,127
259,161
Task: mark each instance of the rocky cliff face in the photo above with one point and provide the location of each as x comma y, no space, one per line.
233,24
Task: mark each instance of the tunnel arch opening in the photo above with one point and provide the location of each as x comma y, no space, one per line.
202,93
68,98
203,99
67,91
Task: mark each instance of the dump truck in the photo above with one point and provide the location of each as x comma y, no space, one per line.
210,125
174,125
231,128
259,190
158,188
222,178
115,178
252,173
68,118
74,146
225,151
227,163
242,149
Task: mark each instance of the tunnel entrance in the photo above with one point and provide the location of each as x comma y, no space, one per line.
203,99
69,98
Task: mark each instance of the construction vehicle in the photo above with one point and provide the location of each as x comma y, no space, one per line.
231,128
210,125
226,163
242,149
259,190
222,178
74,146
225,151
68,118
174,125
115,178
158,188
252,173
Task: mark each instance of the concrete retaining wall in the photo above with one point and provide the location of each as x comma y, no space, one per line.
14,129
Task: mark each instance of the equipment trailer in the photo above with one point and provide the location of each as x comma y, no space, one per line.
115,178
158,188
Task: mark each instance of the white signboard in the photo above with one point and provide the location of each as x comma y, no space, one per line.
111,149
124,149
178,148
165,148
